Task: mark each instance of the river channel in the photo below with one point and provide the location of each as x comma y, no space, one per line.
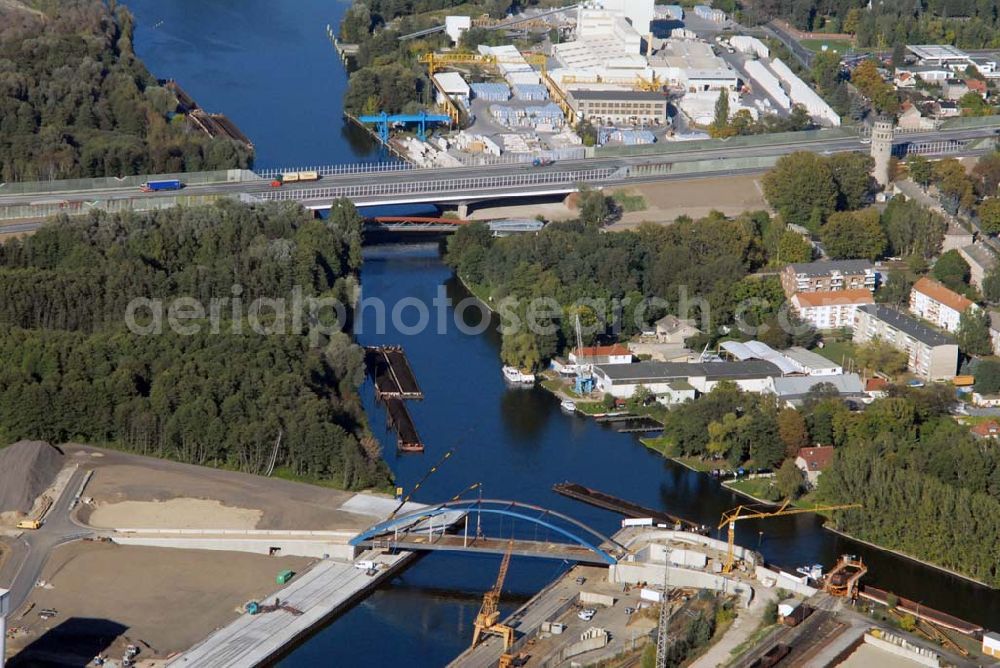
269,66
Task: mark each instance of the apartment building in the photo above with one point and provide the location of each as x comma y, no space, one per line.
830,309
931,355
829,276
937,304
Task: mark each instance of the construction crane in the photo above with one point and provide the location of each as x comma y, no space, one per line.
636,82
420,482
488,619
731,517
437,61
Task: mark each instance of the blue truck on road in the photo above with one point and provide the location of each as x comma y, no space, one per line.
157,186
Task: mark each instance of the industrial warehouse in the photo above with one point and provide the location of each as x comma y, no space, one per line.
611,72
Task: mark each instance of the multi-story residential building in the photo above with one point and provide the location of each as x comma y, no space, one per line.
937,304
828,276
931,354
830,309
981,260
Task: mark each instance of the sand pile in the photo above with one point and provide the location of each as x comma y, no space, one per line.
27,468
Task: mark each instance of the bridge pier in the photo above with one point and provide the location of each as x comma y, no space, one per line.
463,210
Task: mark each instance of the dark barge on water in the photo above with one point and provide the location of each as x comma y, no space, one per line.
626,508
394,382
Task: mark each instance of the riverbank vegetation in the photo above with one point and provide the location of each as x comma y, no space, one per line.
700,266
75,101
220,379
927,485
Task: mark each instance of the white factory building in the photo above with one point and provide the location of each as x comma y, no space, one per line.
693,65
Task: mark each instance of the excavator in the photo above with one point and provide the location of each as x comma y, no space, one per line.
488,619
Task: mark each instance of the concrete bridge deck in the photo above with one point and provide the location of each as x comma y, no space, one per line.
326,589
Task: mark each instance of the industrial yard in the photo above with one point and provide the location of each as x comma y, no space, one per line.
626,74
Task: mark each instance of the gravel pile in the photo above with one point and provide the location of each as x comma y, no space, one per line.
27,468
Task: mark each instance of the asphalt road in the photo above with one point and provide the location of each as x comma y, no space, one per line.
418,176
24,566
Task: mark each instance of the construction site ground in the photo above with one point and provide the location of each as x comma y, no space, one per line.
667,200
106,596
223,499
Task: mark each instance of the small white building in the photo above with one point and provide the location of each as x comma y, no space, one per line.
454,26
937,304
453,85
830,309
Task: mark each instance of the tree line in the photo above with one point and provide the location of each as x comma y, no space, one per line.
72,369
75,101
706,263
966,23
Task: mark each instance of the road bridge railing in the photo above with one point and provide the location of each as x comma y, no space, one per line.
484,184
336,170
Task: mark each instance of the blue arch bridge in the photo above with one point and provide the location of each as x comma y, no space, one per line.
459,526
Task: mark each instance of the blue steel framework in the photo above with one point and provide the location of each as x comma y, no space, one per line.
503,508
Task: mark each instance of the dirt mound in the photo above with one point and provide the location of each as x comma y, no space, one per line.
27,468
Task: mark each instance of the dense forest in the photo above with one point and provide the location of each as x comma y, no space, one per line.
76,101
705,262
928,487
72,368
967,23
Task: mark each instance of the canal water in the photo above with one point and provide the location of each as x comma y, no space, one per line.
270,67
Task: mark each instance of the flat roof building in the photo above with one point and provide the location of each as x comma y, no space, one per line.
621,107
829,275
943,55
622,380
931,354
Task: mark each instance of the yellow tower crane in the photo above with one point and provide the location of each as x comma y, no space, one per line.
731,517
488,619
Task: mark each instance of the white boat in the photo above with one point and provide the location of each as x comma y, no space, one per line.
517,377
814,572
568,406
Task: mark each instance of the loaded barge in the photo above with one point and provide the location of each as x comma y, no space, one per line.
394,382
626,508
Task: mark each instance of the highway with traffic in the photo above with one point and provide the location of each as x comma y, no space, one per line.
719,150
435,185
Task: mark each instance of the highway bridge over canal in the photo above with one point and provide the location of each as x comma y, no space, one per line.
24,205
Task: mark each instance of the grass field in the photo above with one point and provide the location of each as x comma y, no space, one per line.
757,488
838,46
837,351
